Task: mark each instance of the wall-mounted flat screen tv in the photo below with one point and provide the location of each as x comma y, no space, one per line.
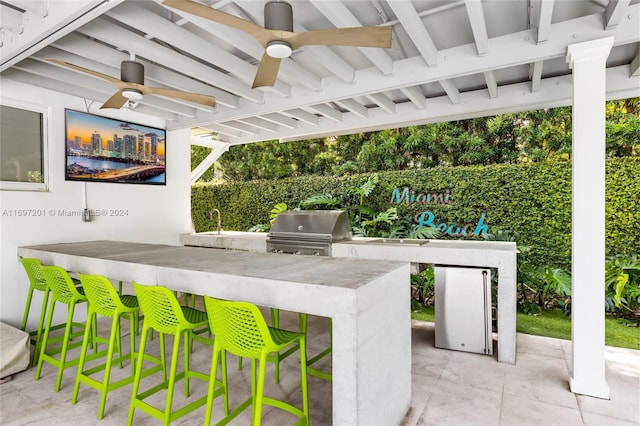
101,149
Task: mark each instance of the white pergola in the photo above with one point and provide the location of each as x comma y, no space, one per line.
449,60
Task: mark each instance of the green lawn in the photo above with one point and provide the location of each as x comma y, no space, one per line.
556,324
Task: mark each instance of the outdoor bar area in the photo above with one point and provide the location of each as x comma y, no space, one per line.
130,295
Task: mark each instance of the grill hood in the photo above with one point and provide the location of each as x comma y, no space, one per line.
308,232
327,225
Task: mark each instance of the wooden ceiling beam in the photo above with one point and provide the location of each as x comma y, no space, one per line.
383,102
478,25
353,106
414,72
616,10
415,95
545,12
492,84
328,112
513,98
342,17
452,91
412,23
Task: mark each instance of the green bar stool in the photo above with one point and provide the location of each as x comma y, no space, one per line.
63,290
240,328
280,356
326,351
105,301
163,314
33,268
277,357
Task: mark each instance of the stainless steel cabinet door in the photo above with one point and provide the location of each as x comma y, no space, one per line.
463,309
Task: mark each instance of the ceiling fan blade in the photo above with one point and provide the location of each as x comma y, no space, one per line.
178,94
358,36
116,101
110,79
267,71
215,15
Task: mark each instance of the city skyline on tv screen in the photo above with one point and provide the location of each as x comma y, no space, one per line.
109,150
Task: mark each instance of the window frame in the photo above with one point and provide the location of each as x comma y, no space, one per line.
45,113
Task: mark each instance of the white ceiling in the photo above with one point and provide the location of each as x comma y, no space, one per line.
449,60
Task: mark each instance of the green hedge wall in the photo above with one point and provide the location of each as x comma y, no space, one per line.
533,201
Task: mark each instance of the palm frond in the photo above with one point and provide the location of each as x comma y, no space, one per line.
276,210
320,200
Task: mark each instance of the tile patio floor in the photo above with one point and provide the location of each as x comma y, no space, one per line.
448,388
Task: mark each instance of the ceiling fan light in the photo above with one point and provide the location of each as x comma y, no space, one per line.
279,49
132,94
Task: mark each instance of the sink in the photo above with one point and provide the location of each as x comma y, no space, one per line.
399,241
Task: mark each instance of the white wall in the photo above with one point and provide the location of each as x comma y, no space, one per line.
155,214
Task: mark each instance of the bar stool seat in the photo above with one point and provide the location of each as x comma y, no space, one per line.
278,357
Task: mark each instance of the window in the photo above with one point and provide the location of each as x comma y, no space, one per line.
23,144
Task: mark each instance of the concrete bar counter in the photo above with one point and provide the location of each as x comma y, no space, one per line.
368,301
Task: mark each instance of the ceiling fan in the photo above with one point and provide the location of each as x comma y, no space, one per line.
132,88
278,37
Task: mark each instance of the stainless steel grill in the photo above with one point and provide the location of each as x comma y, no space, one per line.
309,232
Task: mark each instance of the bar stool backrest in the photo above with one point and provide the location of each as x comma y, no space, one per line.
239,327
160,308
103,297
33,268
61,284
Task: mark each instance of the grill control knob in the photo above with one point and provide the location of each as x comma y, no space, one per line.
300,228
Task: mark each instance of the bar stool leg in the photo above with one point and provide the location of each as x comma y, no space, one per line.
65,345
43,314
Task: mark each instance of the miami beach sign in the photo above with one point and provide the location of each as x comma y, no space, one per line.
409,196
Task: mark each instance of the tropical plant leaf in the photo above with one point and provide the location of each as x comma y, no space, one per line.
621,282
366,210
426,232
260,227
558,281
497,234
366,188
387,216
359,231
622,275
320,200
275,211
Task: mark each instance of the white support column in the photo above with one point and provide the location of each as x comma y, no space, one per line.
588,61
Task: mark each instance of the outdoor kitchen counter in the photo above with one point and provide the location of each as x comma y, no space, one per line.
235,240
368,301
486,254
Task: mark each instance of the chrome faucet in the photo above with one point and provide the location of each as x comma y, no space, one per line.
219,228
